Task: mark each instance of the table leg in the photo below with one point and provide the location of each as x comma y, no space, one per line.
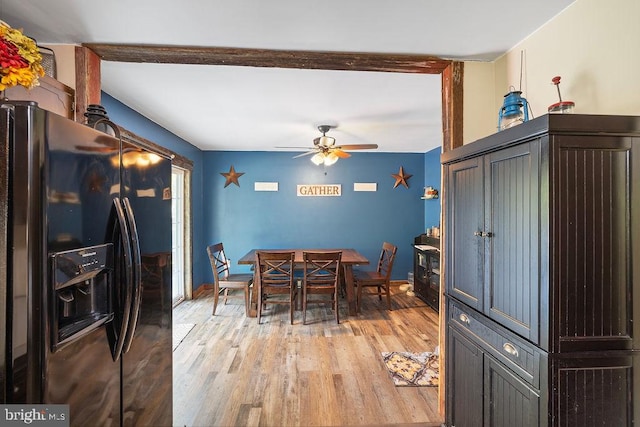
253,306
351,293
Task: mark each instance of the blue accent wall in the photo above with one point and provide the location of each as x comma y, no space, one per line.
432,178
243,218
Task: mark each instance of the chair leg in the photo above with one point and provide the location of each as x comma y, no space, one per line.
335,305
226,294
358,298
259,304
216,292
304,305
379,292
388,288
292,304
246,301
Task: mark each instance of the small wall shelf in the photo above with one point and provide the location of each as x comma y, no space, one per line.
430,193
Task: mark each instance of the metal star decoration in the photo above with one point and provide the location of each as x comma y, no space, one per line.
231,176
401,178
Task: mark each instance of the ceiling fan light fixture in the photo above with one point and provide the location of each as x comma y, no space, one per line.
318,159
330,159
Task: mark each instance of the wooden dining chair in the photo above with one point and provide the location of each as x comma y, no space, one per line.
379,279
223,280
321,273
276,280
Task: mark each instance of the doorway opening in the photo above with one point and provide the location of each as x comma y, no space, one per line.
181,236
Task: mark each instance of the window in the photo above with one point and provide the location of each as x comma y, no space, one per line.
180,226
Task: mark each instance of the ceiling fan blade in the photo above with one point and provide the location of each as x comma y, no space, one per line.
305,154
338,152
359,147
296,148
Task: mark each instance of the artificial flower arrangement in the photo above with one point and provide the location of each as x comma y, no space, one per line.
20,59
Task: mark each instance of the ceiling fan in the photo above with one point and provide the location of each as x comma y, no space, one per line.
325,150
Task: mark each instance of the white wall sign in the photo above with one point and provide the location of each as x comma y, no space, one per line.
265,186
319,190
365,186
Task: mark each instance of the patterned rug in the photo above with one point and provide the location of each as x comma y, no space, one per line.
412,369
180,332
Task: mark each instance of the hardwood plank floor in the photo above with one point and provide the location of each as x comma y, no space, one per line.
230,371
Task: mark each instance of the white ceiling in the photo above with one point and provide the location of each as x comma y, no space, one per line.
260,109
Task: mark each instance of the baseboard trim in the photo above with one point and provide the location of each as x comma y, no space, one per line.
398,282
205,287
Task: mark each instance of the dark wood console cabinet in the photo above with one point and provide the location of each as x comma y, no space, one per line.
426,270
543,274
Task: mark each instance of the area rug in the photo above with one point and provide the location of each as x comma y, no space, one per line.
180,332
412,369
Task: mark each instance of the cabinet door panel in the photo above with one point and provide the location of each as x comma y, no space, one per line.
465,250
593,210
508,401
595,390
512,217
420,279
464,381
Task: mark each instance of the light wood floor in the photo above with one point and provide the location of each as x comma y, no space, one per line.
230,371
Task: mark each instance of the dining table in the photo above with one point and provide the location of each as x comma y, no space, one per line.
350,258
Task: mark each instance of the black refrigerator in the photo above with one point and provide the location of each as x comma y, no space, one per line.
85,270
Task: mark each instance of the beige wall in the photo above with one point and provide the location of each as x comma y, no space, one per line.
479,115
593,45
65,63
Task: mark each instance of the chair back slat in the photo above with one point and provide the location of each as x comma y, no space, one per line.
322,268
219,262
275,268
387,257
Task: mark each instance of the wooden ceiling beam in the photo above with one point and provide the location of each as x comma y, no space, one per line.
451,71
320,60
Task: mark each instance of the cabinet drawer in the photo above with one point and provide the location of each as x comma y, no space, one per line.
517,354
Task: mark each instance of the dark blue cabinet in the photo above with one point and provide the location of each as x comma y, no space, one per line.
465,220
464,401
542,244
494,215
509,401
426,270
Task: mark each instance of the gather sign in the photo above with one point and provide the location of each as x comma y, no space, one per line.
319,190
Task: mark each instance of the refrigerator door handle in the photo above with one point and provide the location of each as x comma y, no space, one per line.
125,310
137,273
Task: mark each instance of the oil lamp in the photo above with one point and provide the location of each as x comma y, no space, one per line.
561,107
514,110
